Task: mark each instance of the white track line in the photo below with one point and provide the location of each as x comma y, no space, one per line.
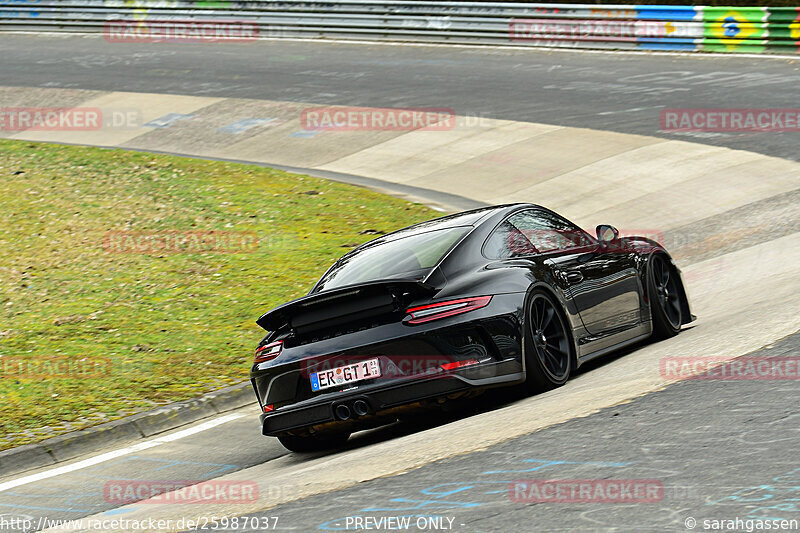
117,453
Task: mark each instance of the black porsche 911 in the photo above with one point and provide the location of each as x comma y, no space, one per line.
491,297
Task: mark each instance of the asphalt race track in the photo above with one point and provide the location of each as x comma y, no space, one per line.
616,92
719,449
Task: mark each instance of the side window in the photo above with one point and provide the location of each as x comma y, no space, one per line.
507,241
534,231
547,231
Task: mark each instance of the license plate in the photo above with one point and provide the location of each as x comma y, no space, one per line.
343,375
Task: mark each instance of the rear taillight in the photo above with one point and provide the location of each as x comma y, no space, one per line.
457,364
268,352
426,313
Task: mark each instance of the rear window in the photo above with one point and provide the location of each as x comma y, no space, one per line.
408,257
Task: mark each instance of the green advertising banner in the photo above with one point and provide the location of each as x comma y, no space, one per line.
784,26
729,29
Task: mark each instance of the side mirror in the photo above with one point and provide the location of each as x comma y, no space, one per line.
606,233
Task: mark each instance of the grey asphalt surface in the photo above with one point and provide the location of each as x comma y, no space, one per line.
81,493
721,450
607,91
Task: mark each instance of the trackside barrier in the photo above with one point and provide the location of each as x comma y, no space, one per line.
649,27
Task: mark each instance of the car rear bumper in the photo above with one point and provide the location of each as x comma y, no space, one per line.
388,396
488,335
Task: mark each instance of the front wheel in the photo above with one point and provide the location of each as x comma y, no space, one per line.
548,345
665,298
313,443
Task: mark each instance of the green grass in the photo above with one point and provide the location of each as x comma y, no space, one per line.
171,326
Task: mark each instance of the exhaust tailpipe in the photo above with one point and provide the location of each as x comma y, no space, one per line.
360,407
342,412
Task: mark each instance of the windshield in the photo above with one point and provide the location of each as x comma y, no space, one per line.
411,257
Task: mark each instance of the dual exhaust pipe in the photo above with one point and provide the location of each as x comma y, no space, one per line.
357,408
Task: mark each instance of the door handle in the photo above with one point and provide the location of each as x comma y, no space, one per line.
574,277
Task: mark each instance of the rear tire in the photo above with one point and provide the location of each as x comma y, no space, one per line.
664,294
313,443
548,344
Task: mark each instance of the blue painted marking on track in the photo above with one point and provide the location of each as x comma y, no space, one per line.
168,120
304,134
443,490
775,497
545,464
240,126
422,504
462,486
120,510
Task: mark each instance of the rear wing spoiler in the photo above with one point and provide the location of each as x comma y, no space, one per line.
345,304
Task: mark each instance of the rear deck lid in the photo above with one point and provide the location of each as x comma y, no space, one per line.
345,305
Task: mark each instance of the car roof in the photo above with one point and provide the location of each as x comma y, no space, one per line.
473,217
465,219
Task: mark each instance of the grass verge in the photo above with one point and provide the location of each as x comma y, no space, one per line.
130,280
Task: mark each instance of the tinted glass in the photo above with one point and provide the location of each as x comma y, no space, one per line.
534,231
410,257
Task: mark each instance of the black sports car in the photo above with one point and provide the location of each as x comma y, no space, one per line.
491,297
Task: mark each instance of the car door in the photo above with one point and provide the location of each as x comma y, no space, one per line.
601,280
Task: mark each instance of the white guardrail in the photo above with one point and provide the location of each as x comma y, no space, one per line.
721,29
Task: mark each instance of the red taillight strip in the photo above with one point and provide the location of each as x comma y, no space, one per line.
268,352
457,364
426,313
